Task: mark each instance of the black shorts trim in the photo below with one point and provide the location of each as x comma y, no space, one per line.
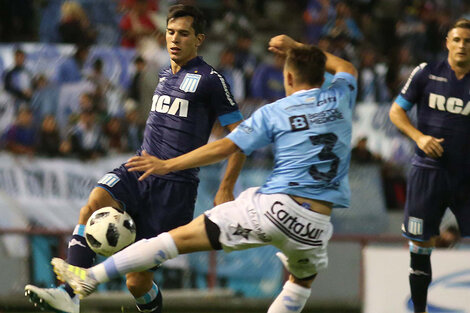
213,233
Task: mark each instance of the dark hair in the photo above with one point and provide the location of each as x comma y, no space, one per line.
308,63
461,23
182,10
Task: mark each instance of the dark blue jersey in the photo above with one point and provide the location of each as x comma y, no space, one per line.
184,108
443,107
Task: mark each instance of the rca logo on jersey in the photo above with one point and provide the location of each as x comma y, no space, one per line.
190,82
451,104
163,104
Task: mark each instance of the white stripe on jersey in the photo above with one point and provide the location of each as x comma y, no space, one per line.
408,82
224,84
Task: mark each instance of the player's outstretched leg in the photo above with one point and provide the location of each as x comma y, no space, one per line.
77,278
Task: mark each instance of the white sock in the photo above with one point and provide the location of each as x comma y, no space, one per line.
142,255
292,299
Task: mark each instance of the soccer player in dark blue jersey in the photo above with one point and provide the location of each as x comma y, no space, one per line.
439,177
189,97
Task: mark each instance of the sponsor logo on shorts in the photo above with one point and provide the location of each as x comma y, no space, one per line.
109,180
241,231
415,226
300,231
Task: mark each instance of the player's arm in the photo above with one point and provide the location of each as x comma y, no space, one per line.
208,154
232,171
282,43
428,144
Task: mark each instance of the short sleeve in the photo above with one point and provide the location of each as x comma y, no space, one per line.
412,90
221,100
253,133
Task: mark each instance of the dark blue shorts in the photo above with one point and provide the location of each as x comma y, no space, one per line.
157,205
430,191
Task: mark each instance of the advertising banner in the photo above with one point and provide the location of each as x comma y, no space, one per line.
387,288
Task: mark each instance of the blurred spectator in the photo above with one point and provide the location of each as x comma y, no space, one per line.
138,23
18,80
142,87
361,154
101,84
84,140
134,91
372,87
401,65
71,70
134,129
410,30
49,138
20,137
114,135
315,16
232,75
74,26
45,96
268,80
233,20
245,59
344,24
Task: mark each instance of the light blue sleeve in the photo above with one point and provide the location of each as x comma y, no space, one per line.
253,133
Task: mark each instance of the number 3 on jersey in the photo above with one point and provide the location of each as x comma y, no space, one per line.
328,141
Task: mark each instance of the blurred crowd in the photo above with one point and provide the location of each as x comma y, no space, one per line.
385,39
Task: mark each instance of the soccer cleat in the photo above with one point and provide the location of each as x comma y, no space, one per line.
77,277
51,299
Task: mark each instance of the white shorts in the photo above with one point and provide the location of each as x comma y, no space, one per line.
255,219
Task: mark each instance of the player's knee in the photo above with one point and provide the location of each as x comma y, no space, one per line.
139,283
86,211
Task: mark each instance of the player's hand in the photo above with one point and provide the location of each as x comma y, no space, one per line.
281,44
223,195
148,164
431,146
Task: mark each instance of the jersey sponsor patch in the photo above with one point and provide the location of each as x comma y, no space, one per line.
109,180
298,123
190,82
415,226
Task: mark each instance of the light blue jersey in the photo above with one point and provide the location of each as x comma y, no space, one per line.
311,135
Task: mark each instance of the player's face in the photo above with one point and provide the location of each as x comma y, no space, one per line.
181,41
458,44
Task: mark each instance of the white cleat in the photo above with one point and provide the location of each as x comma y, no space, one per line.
52,299
77,277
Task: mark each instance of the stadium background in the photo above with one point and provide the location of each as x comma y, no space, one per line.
40,194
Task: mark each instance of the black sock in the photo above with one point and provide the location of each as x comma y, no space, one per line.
154,306
79,254
420,278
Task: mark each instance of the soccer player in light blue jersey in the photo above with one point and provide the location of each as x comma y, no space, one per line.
311,132
439,176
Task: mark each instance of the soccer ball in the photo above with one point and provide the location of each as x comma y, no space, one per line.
109,230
